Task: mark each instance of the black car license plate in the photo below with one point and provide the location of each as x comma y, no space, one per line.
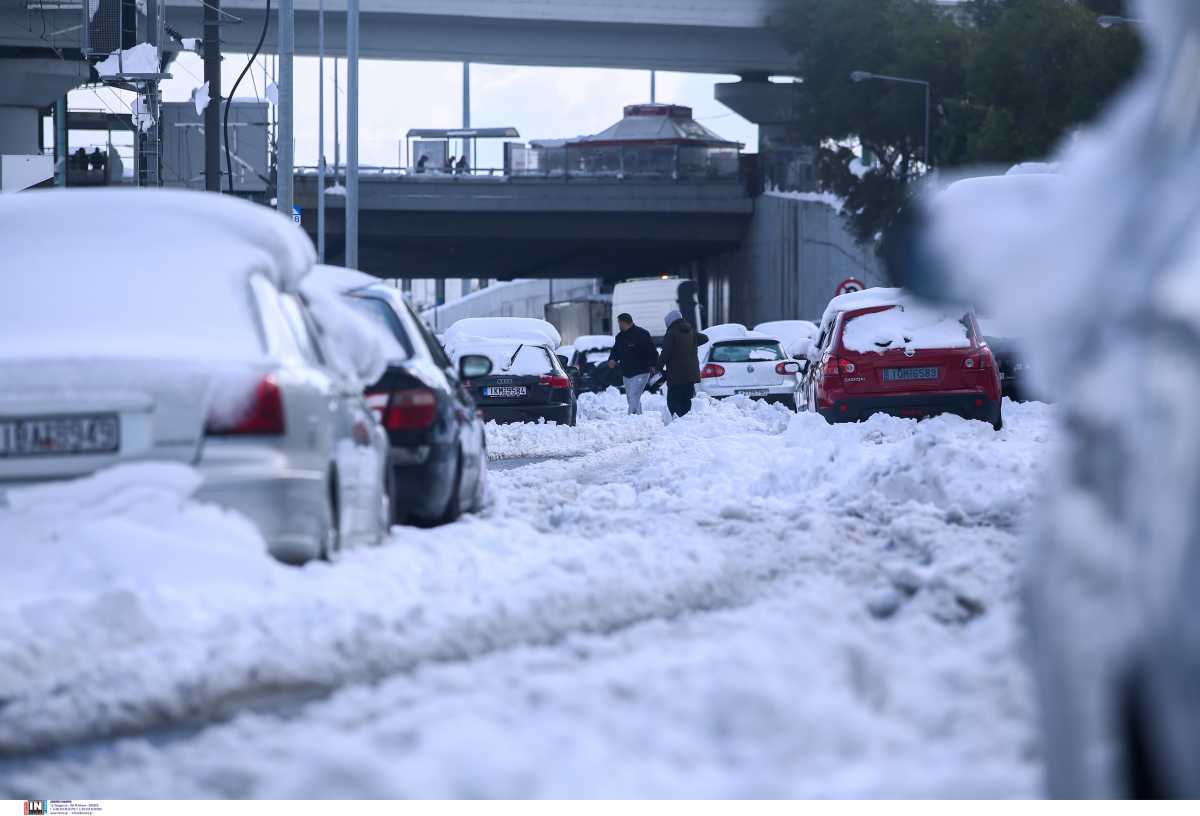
59,436
904,374
505,391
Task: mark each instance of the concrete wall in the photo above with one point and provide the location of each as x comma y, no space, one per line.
795,255
19,130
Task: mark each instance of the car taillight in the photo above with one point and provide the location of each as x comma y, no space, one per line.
711,370
554,381
845,366
410,409
982,361
787,367
262,416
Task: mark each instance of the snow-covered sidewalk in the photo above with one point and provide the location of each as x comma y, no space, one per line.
740,603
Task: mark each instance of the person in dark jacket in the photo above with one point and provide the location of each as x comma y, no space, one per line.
634,352
680,362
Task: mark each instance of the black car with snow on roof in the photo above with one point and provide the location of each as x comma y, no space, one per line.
526,382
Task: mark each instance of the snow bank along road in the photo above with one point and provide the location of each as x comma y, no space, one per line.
744,602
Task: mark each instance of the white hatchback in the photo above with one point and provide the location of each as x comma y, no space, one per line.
739,362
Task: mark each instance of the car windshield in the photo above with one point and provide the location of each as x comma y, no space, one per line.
746,351
395,341
909,326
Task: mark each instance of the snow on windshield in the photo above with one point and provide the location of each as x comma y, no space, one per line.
391,333
910,326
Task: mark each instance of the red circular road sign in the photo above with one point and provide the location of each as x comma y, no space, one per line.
849,285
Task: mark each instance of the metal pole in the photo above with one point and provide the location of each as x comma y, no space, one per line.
466,105
653,89
61,149
337,145
287,49
321,131
212,114
352,134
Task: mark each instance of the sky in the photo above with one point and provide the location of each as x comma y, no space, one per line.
395,96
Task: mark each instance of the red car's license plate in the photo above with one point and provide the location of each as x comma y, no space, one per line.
903,374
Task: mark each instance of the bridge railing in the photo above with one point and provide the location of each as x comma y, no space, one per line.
647,163
664,162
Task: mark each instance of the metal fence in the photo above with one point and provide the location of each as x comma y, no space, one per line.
667,162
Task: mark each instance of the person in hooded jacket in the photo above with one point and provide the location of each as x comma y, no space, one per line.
680,362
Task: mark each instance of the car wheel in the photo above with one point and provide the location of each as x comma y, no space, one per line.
331,539
998,419
481,482
454,506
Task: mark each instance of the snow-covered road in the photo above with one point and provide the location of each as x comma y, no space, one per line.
741,603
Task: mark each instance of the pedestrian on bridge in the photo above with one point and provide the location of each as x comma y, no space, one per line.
680,362
634,352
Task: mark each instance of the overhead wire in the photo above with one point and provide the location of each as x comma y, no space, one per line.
229,99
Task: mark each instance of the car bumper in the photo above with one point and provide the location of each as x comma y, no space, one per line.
422,478
557,412
289,506
722,391
971,405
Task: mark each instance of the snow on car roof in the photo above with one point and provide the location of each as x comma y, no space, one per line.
167,233
527,329
340,279
591,342
140,272
865,299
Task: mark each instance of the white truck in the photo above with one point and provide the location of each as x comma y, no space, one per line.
648,300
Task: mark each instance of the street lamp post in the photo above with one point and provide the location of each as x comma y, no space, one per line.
862,76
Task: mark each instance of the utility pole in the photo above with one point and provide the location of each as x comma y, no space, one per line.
287,48
61,150
321,131
337,124
212,114
352,134
466,105
653,89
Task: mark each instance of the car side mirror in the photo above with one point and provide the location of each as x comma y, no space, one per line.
800,349
562,358
790,367
474,365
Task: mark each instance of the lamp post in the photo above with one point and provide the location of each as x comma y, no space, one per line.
862,76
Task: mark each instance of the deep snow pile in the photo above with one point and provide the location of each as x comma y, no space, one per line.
739,603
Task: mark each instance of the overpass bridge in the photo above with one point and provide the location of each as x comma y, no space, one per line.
697,36
512,227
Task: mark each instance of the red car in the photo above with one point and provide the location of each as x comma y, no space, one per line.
881,352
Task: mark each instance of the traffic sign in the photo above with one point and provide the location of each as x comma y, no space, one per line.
295,213
849,285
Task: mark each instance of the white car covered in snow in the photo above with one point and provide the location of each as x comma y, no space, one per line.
738,362
795,335
187,340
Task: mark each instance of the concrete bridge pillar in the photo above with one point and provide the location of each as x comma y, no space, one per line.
787,161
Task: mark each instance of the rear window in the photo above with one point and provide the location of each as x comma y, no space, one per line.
910,326
509,359
396,343
746,351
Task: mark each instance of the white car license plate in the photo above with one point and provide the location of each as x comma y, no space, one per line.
59,436
752,392
505,391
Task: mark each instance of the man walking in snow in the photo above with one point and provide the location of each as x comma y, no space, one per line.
680,362
634,352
